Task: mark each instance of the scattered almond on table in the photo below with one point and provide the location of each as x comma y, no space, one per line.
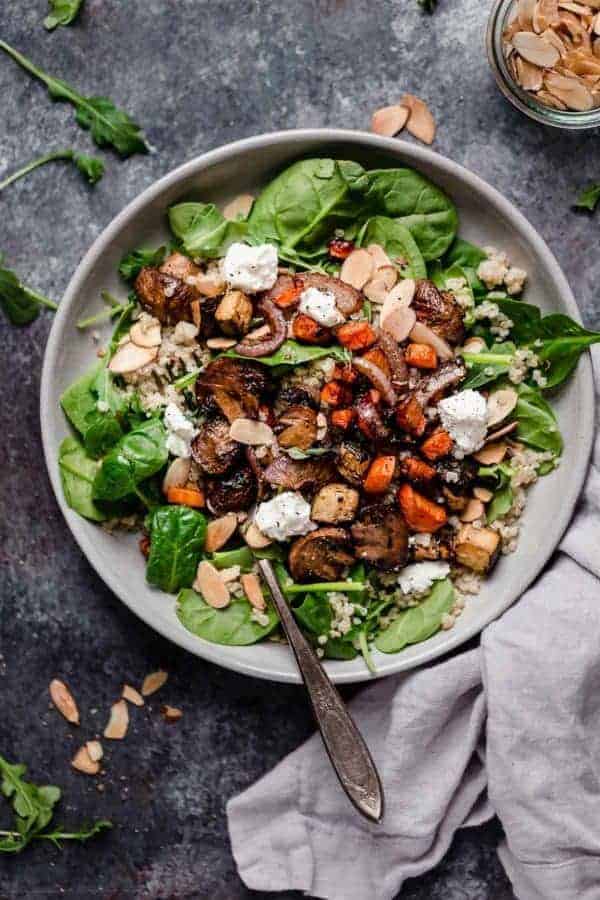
411,113
64,701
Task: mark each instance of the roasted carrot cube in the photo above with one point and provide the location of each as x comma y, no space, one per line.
437,445
338,248
374,396
422,356
410,417
416,469
356,335
346,374
308,331
335,393
379,359
186,497
289,297
342,418
380,474
421,514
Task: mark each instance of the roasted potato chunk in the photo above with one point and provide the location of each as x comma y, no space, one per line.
477,548
234,313
335,503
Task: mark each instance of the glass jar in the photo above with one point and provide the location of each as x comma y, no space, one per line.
500,17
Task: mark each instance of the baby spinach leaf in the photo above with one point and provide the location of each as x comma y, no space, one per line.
20,304
203,230
293,354
500,476
338,648
233,626
103,431
537,423
132,262
91,168
302,206
78,401
62,12
419,622
563,342
487,366
422,207
526,319
176,540
398,243
138,455
108,125
588,198
77,473
314,613
100,430
464,253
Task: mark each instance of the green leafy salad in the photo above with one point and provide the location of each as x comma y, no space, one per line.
328,376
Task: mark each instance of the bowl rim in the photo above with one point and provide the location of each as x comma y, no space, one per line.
409,154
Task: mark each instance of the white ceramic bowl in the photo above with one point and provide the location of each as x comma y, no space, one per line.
485,218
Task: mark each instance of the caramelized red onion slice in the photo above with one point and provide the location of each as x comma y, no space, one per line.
377,377
395,357
275,320
422,334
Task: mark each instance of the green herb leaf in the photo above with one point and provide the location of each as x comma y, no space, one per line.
203,230
90,167
132,262
500,476
464,253
588,199
232,626
292,353
563,342
487,366
314,613
77,473
62,12
176,540
138,455
537,423
108,125
398,243
419,622
20,304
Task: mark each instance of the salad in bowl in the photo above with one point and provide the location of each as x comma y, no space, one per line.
329,376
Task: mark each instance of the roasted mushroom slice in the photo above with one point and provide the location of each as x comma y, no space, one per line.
322,555
335,503
440,311
439,546
347,299
286,291
213,449
477,548
299,427
295,474
235,492
294,395
381,537
448,375
179,266
352,462
244,380
166,297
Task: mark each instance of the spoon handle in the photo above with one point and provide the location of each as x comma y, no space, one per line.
344,743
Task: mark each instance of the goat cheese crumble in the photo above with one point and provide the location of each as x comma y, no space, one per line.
320,306
419,577
251,269
464,416
181,432
286,515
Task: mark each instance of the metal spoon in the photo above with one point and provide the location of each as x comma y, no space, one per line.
345,746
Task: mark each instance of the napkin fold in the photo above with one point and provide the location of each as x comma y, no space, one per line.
511,727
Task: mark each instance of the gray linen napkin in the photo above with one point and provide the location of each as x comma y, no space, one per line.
512,728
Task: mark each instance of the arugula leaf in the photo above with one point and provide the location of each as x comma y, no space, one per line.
132,262
232,626
176,540
488,365
108,125
419,622
20,304
62,12
537,423
138,455
33,807
293,354
588,198
203,230
398,243
90,167
77,473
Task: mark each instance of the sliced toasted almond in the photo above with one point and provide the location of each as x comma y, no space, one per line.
212,587
380,284
577,9
397,318
483,494
196,313
219,531
473,510
251,431
404,291
423,334
220,343
83,762
177,475
580,63
525,10
239,207
596,27
171,713
94,748
576,28
550,100
258,334
153,682
545,15
491,454
253,591
129,358
380,257
501,432
421,123
474,345
500,404
255,538
389,120
555,41
535,49
64,701
357,268
130,693
574,94
118,721
530,77
146,336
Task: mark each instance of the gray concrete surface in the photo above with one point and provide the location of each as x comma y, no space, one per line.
197,74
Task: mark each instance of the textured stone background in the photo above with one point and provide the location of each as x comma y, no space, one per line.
197,74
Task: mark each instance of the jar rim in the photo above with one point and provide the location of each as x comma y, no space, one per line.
514,93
